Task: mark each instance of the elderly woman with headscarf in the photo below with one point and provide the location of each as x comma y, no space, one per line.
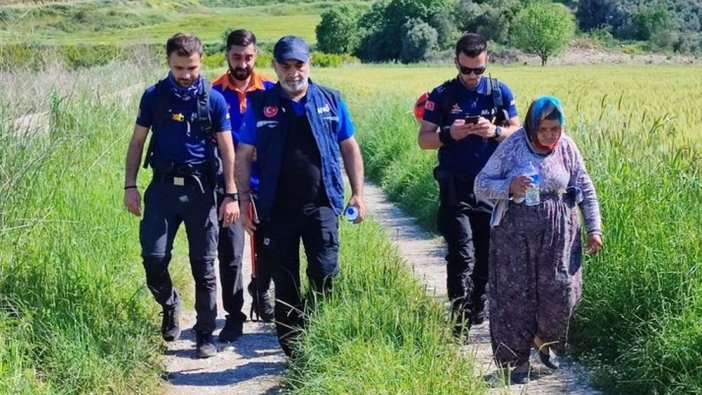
535,251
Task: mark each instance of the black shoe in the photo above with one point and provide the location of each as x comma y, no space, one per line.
233,329
550,359
519,378
205,345
265,308
170,325
261,306
478,317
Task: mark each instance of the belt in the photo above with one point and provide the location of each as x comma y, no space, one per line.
181,180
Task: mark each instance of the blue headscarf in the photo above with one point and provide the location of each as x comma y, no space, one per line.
539,110
184,94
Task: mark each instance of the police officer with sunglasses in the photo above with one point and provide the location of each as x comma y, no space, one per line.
465,119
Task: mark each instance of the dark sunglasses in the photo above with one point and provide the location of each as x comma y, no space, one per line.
467,70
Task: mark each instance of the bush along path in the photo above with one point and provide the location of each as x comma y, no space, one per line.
253,364
424,254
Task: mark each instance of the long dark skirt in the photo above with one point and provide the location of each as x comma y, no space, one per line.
534,276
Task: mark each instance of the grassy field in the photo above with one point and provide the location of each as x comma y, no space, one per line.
638,326
120,23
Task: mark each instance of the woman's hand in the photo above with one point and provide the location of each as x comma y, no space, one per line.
519,185
594,243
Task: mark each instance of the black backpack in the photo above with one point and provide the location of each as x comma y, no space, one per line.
160,115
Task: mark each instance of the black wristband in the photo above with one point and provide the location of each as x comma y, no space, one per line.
130,187
445,136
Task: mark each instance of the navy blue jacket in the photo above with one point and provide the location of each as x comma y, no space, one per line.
265,127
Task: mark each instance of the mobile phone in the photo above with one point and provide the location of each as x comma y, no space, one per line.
473,119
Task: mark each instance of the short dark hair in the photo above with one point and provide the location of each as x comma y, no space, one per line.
183,44
471,44
240,37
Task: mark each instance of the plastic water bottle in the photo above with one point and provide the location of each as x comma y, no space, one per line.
532,195
351,214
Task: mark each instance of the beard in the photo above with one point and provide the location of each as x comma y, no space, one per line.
240,73
295,85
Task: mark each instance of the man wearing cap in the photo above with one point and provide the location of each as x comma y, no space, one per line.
240,79
299,130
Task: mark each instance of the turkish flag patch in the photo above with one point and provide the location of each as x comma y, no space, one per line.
429,105
270,111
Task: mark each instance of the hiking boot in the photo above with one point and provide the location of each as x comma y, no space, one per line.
265,308
170,325
205,345
478,317
233,329
261,305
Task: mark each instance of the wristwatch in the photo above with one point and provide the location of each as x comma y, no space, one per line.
234,196
498,132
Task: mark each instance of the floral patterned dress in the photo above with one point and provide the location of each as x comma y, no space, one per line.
535,251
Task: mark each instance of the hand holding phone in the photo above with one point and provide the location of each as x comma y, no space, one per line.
472,119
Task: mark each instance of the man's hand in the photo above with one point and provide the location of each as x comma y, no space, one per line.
483,128
460,129
359,204
132,201
228,212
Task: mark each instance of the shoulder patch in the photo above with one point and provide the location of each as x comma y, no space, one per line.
429,105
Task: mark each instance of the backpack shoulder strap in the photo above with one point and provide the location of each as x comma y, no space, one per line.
203,109
159,115
161,106
495,92
499,109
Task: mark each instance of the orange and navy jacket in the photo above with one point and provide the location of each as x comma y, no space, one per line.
236,99
237,103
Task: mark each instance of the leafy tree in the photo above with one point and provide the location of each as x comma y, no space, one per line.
384,25
543,29
419,40
491,20
338,30
649,21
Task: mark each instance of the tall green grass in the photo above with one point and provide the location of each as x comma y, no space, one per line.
638,325
75,315
379,332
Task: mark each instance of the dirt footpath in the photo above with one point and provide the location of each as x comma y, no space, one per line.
424,254
251,365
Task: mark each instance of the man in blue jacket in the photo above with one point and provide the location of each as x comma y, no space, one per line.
186,119
299,130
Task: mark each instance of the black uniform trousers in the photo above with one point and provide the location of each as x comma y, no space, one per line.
466,230
318,228
166,206
230,252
